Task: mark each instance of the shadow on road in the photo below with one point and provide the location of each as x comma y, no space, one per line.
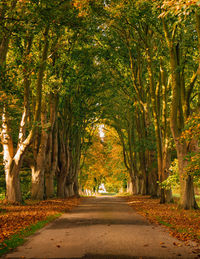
98,256
78,222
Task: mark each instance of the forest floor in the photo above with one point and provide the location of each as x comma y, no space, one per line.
14,219
182,224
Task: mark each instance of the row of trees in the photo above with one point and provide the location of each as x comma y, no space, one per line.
65,65
48,94
152,50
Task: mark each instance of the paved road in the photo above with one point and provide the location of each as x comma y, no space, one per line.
104,227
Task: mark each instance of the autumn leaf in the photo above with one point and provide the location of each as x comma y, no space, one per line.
15,218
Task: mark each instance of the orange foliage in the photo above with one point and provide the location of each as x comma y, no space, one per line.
182,224
104,162
179,6
82,6
191,135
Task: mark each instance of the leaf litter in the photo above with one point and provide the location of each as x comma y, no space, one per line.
14,218
182,224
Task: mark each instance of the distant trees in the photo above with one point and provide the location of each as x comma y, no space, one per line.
103,163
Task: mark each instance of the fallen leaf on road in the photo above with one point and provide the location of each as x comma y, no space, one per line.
184,225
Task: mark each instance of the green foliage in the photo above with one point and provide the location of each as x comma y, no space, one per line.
173,179
25,180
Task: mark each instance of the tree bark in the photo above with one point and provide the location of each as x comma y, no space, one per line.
52,150
63,162
37,191
187,199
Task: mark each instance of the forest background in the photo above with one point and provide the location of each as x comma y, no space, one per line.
68,66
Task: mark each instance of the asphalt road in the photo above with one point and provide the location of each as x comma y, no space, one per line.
102,227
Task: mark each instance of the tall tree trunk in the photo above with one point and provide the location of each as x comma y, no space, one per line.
11,165
187,199
52,150
166,134
37,191
64,162
156,119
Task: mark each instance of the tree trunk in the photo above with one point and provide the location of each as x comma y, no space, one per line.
61,182
49,185
142,185
38,169
130,186
165,132
135,184
37,188
52,147
13,190
166,165
69,189
187,197
76,188
12,164
63,163
156,119
153,186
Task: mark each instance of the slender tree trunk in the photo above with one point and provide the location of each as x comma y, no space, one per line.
63,163
76,184
52,153
165,131
156,120
37,191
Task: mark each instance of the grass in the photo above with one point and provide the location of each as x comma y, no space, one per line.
19,238
2,196
167,224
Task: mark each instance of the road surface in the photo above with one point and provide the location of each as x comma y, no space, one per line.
102,227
